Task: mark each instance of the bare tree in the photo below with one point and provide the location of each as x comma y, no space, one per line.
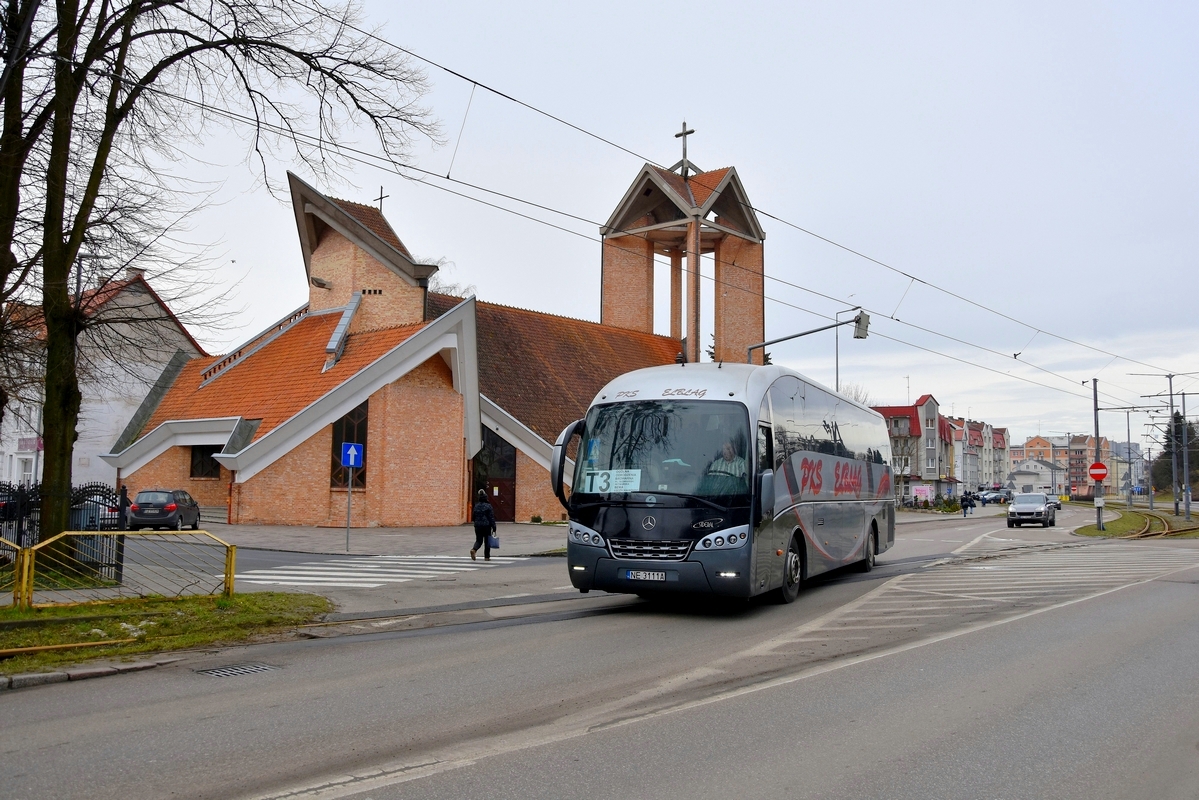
102,101
857,392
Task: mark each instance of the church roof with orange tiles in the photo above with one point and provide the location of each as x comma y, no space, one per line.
277,381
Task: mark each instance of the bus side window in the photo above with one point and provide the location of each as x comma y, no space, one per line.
765,454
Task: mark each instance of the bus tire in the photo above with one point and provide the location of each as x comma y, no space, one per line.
792,573
867,563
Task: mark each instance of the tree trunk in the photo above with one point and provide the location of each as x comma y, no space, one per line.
59,417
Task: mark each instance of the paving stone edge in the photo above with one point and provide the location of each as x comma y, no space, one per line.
79,673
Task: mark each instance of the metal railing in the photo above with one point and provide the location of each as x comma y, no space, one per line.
82,567
9,556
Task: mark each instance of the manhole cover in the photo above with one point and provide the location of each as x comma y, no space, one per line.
235,669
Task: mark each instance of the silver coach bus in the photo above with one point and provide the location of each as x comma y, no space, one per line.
730,479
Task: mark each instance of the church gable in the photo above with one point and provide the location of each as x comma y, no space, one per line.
350,250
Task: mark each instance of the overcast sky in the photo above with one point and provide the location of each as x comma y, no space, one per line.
1037,159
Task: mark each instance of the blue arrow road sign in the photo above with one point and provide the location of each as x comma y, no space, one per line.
351,454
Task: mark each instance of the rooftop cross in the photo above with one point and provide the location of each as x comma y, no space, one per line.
381,198
683,134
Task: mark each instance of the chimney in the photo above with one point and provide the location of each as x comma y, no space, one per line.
133,273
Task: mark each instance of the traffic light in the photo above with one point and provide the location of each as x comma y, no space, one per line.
860,323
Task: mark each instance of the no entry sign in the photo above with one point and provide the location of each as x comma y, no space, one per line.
1097,471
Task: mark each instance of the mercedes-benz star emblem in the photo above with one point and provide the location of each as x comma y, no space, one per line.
648,523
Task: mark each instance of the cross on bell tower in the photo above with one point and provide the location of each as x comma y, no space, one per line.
683,134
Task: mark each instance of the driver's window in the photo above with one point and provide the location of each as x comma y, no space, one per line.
765,456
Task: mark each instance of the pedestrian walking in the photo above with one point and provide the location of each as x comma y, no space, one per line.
484,517
970,500
965,504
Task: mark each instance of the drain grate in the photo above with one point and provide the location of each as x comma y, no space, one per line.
235,669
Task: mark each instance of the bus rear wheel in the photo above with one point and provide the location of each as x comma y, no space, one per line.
792,573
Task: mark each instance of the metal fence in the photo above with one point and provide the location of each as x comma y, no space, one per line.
8,573
78,567
94,507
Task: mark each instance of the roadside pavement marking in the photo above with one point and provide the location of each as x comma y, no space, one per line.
638,707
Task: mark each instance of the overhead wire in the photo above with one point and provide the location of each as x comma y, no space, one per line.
912,278
379,162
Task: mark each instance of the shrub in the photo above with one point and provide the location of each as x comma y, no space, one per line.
926,503
535,518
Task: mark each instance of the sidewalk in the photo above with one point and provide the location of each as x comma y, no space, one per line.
910,517
516,539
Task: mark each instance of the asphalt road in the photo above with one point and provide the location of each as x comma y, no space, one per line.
1029,664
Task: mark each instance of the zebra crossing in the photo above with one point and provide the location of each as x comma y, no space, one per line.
369,572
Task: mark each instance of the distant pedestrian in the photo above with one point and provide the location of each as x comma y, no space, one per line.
965,504
484,517
970,500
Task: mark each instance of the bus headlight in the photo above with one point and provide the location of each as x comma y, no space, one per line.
733,537
581,534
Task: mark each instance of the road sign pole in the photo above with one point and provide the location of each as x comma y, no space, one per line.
349,495
1099,483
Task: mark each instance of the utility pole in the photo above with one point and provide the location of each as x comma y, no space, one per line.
1172,436
1098,484
1186,464
1149,473
1128,453
1173,448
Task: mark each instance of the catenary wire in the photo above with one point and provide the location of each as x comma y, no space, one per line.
800,228
379,162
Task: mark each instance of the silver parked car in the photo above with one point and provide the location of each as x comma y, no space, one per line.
1034,508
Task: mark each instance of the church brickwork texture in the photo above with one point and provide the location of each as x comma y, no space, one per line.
540,370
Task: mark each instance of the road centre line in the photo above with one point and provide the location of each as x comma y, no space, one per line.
569,728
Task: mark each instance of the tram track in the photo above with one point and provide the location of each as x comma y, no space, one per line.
1159,525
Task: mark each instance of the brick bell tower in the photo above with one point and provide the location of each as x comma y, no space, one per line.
683,213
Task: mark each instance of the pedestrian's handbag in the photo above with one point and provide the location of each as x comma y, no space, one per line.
493,541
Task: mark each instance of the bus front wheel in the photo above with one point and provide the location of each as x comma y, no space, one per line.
792,573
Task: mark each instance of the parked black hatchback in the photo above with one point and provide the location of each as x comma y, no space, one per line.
164,508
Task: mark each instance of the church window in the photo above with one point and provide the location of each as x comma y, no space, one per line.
350,428
203,463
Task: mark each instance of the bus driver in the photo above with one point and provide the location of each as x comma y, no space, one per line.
729,462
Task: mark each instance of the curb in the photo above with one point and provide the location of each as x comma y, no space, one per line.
79,673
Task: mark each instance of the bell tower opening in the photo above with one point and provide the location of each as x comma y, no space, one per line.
681,214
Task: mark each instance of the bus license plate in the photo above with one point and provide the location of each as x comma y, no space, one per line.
641,575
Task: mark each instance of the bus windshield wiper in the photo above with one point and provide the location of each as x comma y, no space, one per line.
694,497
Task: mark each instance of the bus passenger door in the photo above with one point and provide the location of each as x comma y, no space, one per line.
764,535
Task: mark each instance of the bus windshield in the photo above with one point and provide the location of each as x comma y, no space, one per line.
697,448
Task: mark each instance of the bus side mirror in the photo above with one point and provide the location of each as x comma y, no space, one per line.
558,460
764,501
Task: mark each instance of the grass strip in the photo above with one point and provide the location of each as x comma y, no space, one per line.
1127,523
154,625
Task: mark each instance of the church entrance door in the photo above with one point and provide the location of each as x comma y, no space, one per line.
494,471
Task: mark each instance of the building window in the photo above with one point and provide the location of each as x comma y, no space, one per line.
203,463
350,428
930,423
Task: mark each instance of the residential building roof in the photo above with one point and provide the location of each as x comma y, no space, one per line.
94,301
545,369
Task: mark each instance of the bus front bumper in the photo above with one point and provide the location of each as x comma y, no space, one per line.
723,573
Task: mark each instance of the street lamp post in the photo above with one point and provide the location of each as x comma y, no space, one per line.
861,323
837,347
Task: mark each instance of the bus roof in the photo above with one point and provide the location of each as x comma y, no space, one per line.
745,383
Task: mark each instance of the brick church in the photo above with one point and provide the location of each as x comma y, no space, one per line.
447,395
